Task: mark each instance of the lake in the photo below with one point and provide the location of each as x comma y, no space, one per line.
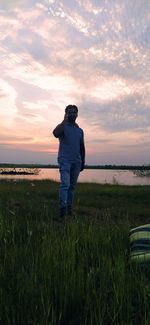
101,176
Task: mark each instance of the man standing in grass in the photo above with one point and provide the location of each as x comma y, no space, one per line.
71,157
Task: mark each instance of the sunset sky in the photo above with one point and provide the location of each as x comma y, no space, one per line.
91,53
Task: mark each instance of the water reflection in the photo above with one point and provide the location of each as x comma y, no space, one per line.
102,176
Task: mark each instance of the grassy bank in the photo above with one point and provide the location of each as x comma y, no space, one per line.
76,272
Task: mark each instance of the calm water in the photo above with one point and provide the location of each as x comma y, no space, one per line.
103,176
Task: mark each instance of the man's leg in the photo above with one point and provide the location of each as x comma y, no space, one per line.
74,173
64,169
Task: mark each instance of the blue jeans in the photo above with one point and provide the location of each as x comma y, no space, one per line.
69,173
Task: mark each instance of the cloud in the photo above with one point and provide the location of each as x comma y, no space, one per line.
9,5
126,114
93,54
7,139
8,109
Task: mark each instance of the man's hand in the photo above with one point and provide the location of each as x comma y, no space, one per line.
82,166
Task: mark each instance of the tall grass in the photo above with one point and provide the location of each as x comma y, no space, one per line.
75,272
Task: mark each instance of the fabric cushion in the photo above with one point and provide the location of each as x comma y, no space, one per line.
140,243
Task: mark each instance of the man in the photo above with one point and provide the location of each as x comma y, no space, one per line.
71,157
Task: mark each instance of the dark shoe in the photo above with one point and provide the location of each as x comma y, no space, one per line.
62,212
69,210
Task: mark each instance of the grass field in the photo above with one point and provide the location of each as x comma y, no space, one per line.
77,271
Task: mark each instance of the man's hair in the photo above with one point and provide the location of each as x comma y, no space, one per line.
69,107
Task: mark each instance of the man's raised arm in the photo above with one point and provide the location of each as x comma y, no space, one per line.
59,130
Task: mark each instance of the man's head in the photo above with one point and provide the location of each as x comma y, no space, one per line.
71,113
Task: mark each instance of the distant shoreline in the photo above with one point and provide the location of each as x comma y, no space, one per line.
111,167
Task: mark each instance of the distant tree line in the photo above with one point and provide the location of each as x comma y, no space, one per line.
122,167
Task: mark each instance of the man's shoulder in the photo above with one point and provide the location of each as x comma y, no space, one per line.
77,125
81,130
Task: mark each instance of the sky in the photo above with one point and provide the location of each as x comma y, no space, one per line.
91,53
